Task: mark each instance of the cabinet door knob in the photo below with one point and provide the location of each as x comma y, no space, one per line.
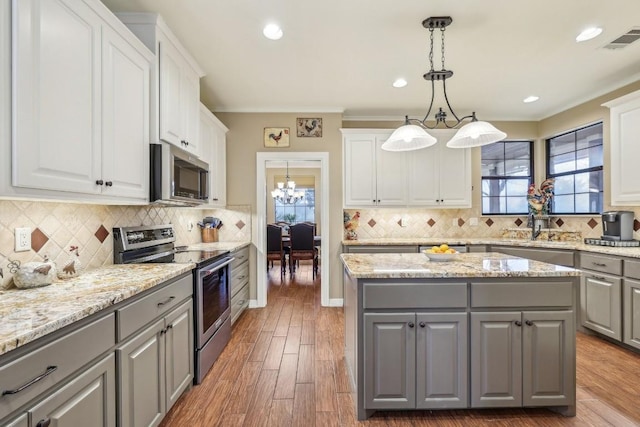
518,323
108,183
422,324
183,142
99,182
528,322
411,324
44,423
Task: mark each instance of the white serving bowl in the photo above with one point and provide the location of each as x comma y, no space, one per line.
440,257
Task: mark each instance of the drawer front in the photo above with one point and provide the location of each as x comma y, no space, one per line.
240,256
522,294
54,362
415,295
239,302
551,256
137,314
239,278
601,263
632,268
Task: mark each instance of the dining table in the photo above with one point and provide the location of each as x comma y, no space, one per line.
286,240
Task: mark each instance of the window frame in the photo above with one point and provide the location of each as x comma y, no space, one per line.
576,171
508,177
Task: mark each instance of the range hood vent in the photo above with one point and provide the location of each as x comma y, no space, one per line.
624,40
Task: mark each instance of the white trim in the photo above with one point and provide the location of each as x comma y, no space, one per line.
259,238
336,302
253,303
310,110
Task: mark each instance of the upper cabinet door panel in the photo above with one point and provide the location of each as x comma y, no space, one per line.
391,176
455,176
423,169
359,170
125,117
56,72
171,121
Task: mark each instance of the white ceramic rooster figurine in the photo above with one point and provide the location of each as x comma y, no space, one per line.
72,267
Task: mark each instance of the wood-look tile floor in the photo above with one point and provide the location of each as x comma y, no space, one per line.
284,366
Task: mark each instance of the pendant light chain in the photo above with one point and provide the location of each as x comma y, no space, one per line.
431,48
441,46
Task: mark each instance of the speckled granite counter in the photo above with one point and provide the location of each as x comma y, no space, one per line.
28,314
428,241
223,246
490,264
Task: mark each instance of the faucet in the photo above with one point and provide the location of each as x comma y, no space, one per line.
532,223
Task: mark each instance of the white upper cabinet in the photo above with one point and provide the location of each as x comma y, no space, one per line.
372,176
436,176
80,101
213,144
175,97
625,150
440,176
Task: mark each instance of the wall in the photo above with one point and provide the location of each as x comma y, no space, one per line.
56,226
245,139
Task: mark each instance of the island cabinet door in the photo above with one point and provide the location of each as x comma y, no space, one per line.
496,359
441,360
632,312
389,360
548,359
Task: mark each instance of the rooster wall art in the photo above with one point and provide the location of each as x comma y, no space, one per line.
276,137
309,127
540,200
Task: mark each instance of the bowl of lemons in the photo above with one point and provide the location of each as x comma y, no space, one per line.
441,253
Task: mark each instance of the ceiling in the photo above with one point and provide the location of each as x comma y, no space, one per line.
343,55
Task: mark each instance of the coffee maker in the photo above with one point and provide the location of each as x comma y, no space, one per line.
617,225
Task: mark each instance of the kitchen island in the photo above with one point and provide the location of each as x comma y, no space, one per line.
485,330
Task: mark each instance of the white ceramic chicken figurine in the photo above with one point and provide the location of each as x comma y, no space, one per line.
73,266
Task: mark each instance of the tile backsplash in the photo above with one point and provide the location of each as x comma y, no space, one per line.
57,226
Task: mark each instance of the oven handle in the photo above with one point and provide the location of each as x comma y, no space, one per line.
214,267
151,257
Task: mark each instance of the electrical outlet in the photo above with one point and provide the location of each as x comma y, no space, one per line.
23,239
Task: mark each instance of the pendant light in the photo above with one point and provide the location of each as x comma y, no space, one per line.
286,192
413,135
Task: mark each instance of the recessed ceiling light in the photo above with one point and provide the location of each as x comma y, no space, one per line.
531,98
272,32
400,83
588,34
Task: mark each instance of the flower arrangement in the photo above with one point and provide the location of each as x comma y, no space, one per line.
539,200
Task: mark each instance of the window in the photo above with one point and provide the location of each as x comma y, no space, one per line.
301,211
575,160
507,169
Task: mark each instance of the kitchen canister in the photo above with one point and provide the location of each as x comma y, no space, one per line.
209,235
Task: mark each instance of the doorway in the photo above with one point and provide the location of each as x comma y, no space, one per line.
260,223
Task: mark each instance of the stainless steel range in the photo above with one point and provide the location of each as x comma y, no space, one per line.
211,286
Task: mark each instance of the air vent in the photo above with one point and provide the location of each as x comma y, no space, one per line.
625,39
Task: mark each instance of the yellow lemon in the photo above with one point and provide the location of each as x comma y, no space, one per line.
444,247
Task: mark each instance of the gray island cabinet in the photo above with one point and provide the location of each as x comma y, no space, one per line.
486,330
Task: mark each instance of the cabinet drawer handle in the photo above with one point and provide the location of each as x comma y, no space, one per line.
169,326
241,302
411,324
241,277
99,182
49,370
518,323
528,322
44,423
167,301
599,264
422,324
599,278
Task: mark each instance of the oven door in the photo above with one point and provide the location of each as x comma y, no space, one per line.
213,298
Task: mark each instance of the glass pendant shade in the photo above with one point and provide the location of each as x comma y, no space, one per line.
407,138
476,134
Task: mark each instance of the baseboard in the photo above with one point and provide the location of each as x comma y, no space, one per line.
335,302
253,303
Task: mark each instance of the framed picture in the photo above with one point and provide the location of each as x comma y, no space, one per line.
309,127
276,137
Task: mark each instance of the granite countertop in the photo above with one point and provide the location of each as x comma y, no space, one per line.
223,246
417,265
28,314
549,244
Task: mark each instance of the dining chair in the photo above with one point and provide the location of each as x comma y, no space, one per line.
275,251
302,246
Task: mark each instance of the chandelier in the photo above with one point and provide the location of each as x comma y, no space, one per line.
286,191
413,136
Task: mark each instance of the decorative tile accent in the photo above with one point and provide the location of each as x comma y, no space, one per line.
399,222
371,223
518,221
559,222
460,222
431,222
592,223
101,234
636,225
240,224
489,222
38,239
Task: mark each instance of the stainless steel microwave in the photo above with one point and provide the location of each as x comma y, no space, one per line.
177,177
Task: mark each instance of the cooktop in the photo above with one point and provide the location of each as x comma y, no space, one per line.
200,257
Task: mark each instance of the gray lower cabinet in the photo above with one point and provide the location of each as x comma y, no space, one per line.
379,249
522,359
156,366
632,312
21,421
415,360
88,400
552,256
600,303
239,282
